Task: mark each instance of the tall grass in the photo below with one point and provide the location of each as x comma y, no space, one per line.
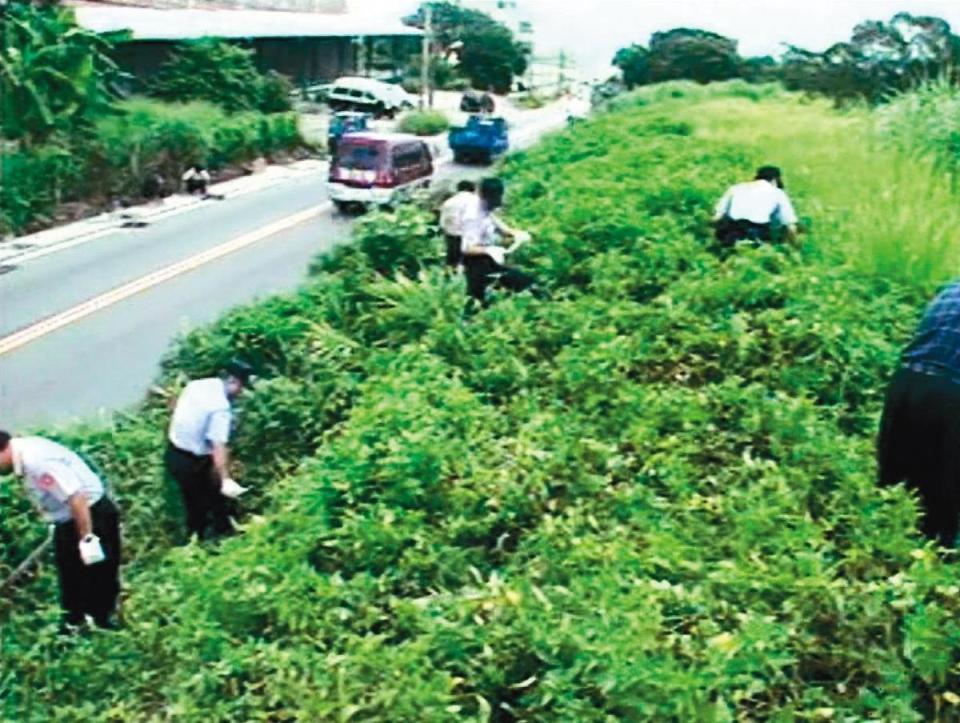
926,122
883,200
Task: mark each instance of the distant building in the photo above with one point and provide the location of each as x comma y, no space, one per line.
308,46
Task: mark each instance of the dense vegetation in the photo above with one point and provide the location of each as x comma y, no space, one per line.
67,138
651,497
424,123
223,74
879,60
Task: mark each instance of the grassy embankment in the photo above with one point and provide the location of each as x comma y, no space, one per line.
650,498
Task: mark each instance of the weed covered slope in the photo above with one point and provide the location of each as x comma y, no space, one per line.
649,498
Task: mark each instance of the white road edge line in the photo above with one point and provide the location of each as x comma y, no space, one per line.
65,318
57,321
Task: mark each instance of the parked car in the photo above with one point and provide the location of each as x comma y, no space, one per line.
378,169
476,102
343,123
481,140
368,95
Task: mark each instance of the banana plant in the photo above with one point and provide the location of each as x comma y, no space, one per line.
54,75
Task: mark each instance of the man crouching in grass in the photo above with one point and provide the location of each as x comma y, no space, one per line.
920,429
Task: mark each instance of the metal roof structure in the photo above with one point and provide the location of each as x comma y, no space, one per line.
173,25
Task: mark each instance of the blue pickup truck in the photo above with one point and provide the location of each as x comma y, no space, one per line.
481,140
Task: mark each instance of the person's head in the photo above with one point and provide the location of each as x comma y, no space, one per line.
491,193
770,174
466,187
237,376
6,452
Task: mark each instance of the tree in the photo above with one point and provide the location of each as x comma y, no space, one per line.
54,75
879,59
634,63
687,53
215,71
490,56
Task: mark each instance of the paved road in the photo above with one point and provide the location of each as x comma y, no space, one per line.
106,360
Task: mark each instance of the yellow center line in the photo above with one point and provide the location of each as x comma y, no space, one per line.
52,323
65,318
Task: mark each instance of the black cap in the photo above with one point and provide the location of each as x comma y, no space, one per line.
768,173
240,370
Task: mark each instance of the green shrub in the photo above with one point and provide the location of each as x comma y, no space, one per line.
650,498
424,123
33,182
223,74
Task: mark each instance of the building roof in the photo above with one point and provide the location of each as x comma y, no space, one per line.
153,24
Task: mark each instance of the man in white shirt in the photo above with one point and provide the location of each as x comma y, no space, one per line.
71,497
451,219
752,210
196,179
197,455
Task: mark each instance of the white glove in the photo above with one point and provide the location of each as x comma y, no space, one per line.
91,551
230,488
522,237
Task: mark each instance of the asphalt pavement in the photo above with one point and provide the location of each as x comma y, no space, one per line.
106,359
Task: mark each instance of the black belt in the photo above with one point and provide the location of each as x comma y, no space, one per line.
198,457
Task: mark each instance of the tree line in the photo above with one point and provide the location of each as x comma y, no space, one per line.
880,59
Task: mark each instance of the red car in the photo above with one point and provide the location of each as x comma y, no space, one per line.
378,169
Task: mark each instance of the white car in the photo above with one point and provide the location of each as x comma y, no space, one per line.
369,95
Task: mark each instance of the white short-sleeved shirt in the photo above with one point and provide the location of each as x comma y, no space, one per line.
452,212
52,474
202,417
758,202
480,232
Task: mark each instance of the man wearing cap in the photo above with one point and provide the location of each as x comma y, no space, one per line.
752,210
197,455
86,524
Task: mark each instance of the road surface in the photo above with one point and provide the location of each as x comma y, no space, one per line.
82,329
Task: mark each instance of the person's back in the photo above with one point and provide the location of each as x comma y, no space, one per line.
39,456
935,348
199,402
750,210
452,214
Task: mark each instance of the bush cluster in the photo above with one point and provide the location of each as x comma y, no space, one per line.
139,139
650,498
424,123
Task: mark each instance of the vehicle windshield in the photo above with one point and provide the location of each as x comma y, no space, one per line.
358,158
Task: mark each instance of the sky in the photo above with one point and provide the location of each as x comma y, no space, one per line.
592,30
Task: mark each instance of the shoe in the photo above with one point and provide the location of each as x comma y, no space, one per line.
106,623
73,624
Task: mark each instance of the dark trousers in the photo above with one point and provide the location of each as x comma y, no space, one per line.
454,255
196,185
919,444
728,231
89,589
200,487
482,271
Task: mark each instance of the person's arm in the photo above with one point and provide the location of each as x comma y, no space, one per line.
504,228
221,460
218,435
787,217
723,205
80,512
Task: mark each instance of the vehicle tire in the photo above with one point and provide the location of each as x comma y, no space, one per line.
343,207
379,110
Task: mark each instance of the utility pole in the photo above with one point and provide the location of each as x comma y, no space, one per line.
426,94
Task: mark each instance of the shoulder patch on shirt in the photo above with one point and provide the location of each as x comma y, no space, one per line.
46,482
